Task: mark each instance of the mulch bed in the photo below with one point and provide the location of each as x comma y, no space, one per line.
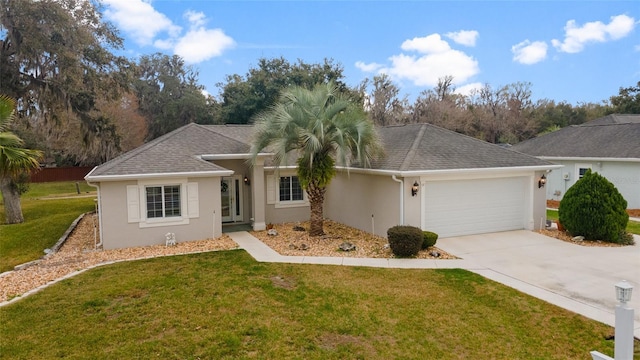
290,242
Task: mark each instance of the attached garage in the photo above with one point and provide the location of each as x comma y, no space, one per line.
475,206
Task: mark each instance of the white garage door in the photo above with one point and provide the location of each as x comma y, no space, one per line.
465,207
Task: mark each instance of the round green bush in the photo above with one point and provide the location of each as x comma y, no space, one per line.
405,241
428,239
594,208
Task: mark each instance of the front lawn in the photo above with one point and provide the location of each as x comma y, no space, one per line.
225,305
48,210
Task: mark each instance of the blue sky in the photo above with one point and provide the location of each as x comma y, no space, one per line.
574,51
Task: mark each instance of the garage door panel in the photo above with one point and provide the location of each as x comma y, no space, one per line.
466,207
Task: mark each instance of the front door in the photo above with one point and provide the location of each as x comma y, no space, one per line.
231,198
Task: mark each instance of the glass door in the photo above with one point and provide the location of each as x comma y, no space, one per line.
231,198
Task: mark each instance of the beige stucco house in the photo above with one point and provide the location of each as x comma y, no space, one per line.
195,180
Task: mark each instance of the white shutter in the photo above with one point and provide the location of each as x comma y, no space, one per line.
193,204
133,203
271,189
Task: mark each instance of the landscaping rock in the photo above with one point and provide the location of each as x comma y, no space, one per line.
272,232
577,238
347,246
434,254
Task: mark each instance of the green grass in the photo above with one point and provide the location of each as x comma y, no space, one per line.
225,305
632,226
48,210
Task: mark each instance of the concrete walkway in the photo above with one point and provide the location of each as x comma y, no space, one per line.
577,278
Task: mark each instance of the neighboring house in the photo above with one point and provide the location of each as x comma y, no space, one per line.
609,146
197,178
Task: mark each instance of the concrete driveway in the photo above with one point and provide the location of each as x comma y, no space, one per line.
578,278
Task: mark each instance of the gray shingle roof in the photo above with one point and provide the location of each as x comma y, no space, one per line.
415,147
421,147
613,136
177,152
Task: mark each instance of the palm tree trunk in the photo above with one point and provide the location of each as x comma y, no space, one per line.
12,208
316,201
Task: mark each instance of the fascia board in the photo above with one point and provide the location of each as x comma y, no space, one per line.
586,158
474,171
197,174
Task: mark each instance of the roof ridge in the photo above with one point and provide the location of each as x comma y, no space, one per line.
210,128
584,125
412,151
129,154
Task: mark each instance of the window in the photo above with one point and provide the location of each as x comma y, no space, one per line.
163,201
581,170
290,189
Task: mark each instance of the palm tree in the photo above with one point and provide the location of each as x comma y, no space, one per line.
321,127
14,160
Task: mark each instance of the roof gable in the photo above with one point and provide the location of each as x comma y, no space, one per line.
176,152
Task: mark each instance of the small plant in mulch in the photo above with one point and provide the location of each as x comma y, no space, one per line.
405,241
428,239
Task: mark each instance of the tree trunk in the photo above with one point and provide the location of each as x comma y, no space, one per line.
316,200
12,208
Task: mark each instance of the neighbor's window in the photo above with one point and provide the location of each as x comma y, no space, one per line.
582,172
163,201
290,189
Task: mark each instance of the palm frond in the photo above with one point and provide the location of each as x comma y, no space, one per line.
14,159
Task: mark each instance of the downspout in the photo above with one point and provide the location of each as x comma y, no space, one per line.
99,210
393,177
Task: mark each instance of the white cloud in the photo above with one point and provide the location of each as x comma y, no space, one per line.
426,70
431,44
469,89
203,44
576,37
464,37
435,59
528,52
372,67
197,19
139,19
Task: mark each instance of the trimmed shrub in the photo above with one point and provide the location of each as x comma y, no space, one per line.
405,241
594,208
428,239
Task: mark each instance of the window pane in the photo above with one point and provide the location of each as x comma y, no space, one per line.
582,172
172,200
154,202
285,188
296,190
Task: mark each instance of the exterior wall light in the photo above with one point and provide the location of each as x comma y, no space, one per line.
414,188
542,181
246,181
